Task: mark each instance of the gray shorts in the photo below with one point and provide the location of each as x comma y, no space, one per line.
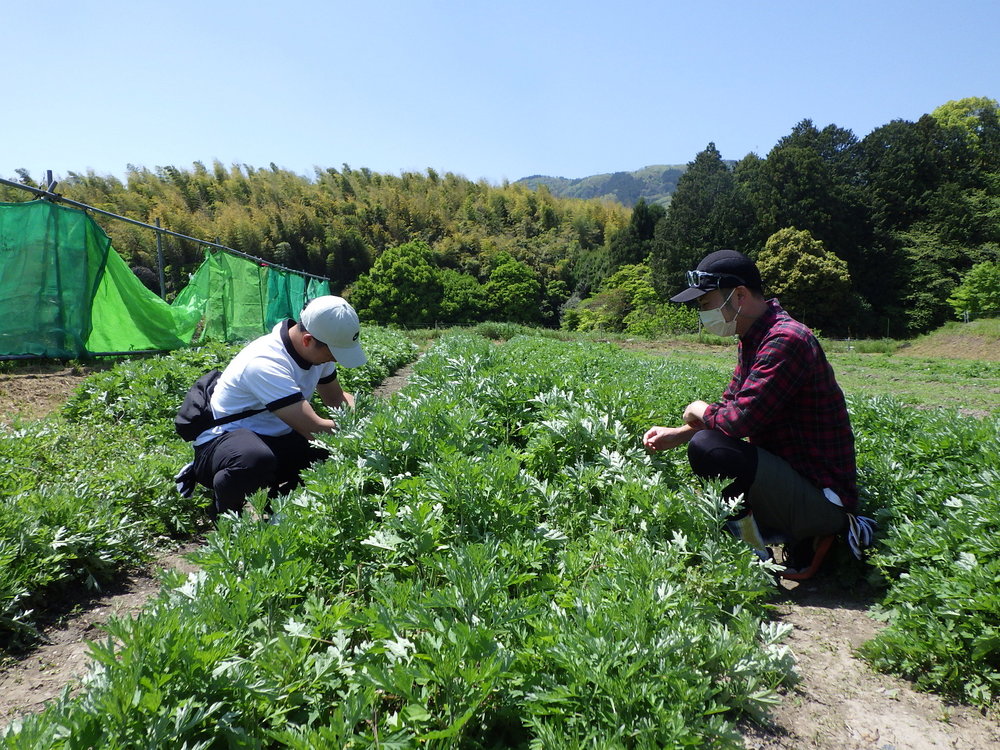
783,500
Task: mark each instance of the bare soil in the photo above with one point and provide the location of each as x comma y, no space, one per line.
28,684
32,392
839,703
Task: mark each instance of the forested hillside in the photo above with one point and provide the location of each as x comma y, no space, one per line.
857,236
653,184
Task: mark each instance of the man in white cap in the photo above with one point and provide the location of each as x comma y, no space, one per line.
265,391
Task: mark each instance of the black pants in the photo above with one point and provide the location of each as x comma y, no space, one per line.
782,500
713,455
240,462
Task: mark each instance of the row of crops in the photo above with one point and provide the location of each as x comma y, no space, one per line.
91,494
489,559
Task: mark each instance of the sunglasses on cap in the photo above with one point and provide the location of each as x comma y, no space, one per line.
708,280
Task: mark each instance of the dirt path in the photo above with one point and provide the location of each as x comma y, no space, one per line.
841,704
27,685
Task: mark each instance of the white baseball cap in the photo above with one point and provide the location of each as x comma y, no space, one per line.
332,321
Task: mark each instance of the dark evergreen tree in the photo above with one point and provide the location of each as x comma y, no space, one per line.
633,243
707,212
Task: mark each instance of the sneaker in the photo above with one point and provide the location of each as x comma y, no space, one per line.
186,480
807,557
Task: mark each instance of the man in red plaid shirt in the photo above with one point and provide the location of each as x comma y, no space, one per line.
781,431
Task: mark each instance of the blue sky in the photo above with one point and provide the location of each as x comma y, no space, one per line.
486,90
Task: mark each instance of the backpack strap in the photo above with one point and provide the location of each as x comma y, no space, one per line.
234,417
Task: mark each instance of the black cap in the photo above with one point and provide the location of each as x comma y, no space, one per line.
723,268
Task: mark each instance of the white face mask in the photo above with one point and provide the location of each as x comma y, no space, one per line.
716,323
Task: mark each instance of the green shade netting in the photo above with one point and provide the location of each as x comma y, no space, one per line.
65,292
230,296
240,299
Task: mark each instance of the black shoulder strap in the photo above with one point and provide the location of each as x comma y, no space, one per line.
235,417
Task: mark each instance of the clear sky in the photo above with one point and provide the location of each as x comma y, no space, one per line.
491,90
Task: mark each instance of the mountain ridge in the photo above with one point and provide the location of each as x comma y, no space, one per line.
654,183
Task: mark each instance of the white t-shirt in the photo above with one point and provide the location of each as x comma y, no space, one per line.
266,374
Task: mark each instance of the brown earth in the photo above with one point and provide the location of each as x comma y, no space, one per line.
953,346
35,391
839,703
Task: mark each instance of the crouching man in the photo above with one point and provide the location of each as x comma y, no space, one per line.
781,431
272,380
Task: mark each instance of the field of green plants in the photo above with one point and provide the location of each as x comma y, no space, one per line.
489,559
90,494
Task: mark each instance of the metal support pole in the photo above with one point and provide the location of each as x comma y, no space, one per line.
159,260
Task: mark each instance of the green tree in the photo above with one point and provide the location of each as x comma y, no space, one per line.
463,299
513,291
811,282
979,293
633,243
707,213
347,258
404,288
974,115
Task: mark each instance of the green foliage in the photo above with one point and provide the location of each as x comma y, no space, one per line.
812,283
633,243
661,319
463,299
628,303
88,495
491,559
979,293
513,292
403,288
336,222
488,559
972,114
930,479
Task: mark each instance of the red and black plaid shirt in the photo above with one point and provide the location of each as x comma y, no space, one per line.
783,397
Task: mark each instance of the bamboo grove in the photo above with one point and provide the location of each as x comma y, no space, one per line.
858,236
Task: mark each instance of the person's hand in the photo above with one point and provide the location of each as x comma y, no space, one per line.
665,438
694,414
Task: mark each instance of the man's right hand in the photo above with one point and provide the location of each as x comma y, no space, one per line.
665,438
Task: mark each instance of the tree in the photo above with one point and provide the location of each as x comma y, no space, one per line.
513,291
347,258
812,283
633,243
404,287
904,163
463,299
973,115
628,302
707,213
979,293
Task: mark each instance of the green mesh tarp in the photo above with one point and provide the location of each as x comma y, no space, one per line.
65,292
239,299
